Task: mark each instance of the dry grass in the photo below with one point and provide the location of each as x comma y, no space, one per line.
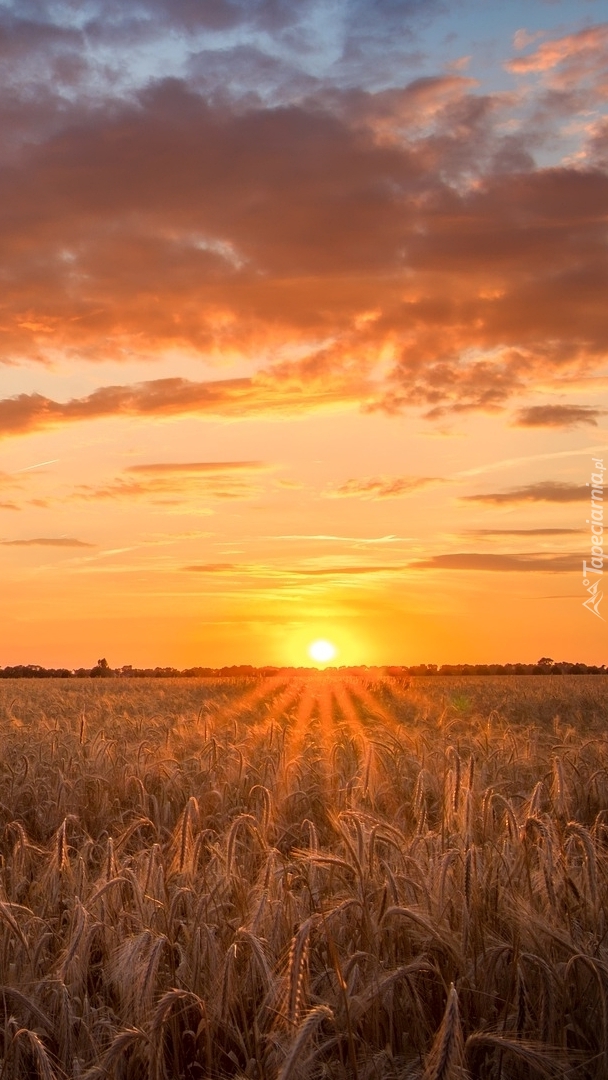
327,877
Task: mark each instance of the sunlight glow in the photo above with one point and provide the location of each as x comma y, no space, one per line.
322,651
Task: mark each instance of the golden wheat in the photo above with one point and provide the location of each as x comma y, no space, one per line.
315,876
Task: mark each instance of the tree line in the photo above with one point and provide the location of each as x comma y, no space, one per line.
101,670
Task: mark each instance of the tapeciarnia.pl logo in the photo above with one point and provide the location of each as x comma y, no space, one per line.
593,570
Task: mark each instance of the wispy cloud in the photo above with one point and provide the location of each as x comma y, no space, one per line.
260,570
212,568
170,487
339,571
342,539
170,483
382,487
163,467
568,61
523,562
39,465
555,455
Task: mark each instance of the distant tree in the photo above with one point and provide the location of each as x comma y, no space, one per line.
102,669
545,661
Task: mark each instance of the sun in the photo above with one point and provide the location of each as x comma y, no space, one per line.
322,651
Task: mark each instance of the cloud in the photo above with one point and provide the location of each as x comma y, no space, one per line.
48,541
522,532
188,221
554,491
293,572
533,563
338,571
263,394
382,487
168,483
342,539
568,61
522,38
170,489
265,50
9,506
566,416
160,468
212,568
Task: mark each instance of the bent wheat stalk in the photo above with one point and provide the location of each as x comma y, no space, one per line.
310,1022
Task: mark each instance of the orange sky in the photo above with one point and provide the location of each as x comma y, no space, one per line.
304,331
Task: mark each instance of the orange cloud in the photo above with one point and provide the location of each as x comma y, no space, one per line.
260,395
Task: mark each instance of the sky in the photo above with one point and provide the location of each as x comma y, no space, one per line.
303,330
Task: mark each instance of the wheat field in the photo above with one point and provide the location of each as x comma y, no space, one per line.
303,877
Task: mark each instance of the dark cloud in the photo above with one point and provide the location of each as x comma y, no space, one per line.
245,70
522,563
554,491
558,416
597,151
249,50
33,47
181,219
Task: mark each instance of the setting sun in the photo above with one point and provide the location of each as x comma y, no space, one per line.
322,651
